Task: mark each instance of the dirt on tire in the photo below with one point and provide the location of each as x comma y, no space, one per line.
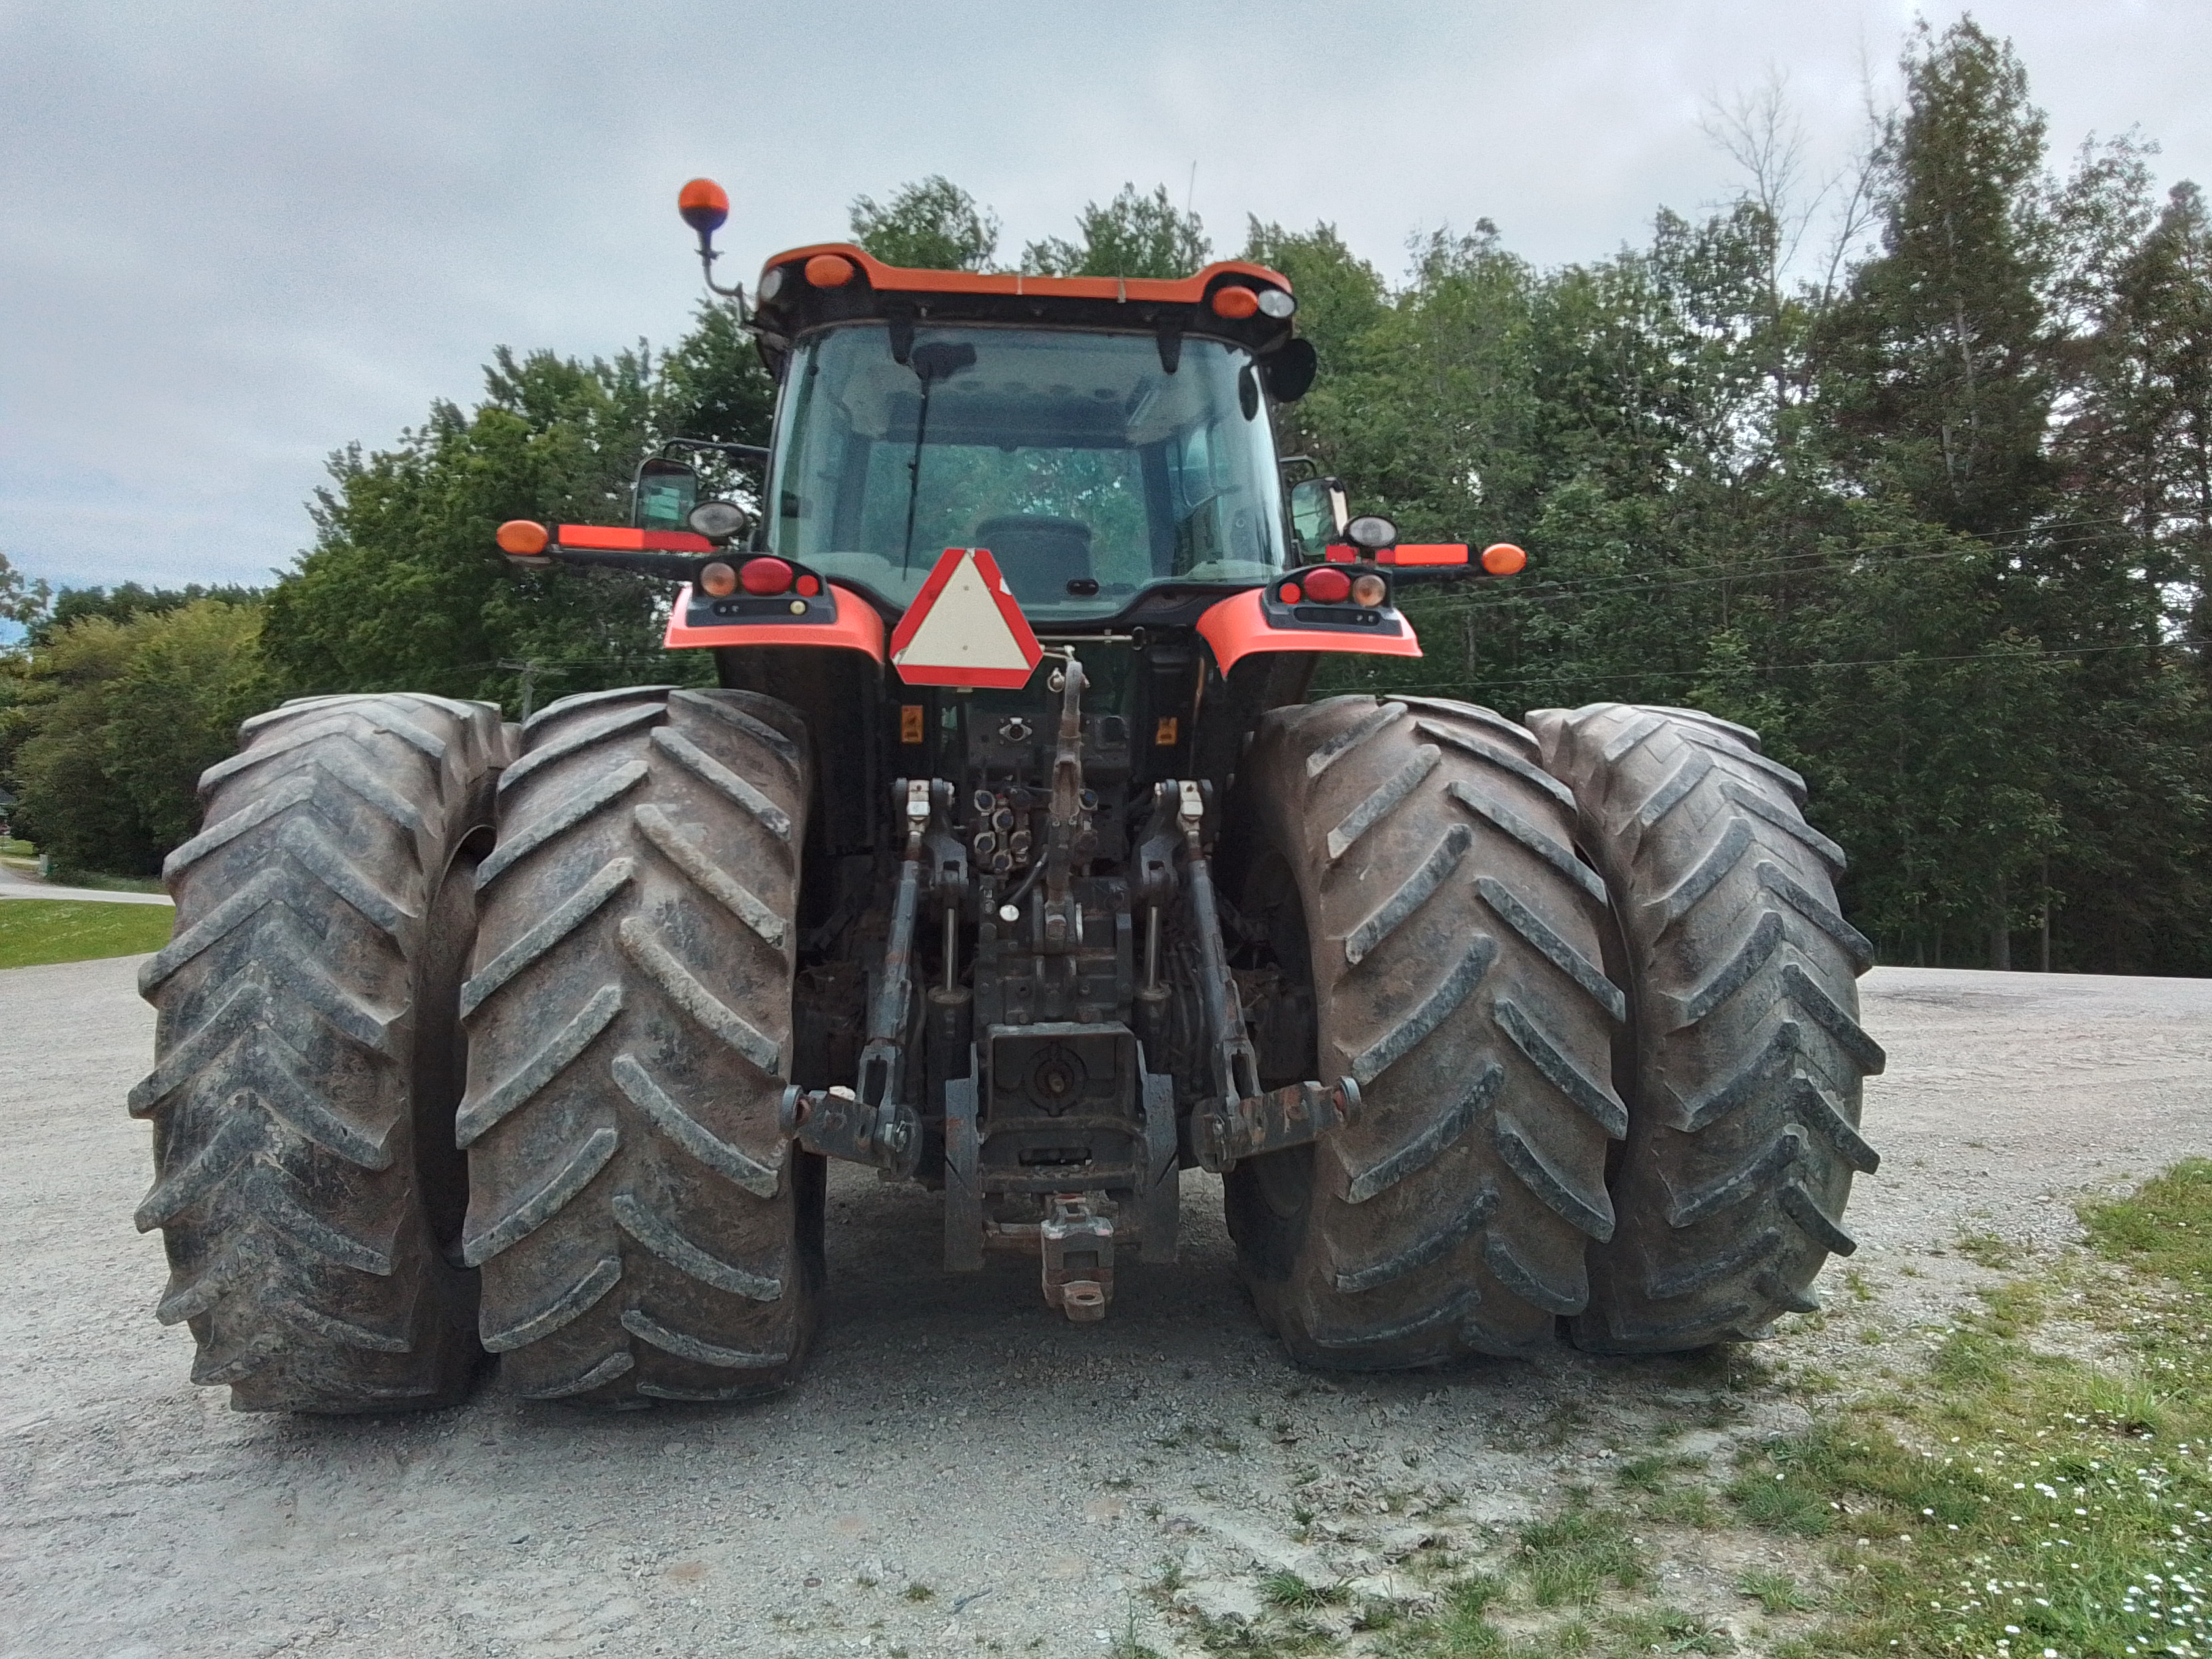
1420,853
305,1061
1748,1054
642,1232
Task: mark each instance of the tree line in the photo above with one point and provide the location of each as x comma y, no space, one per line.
1912,473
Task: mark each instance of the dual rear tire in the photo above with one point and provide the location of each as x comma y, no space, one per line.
1591,980
628,1225
1594,990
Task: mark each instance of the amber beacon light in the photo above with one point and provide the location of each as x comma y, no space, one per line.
704,205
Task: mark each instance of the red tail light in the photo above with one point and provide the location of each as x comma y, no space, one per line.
765,576
1327,586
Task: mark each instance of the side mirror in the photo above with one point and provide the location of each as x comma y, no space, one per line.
1291,371
665,494
1319,512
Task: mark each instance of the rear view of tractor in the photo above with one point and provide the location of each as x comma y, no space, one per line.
1006,856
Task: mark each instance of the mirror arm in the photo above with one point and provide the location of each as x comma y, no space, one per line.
733,452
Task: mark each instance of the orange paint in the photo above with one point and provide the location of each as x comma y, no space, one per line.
1134,291
856,627
613,538
1237,627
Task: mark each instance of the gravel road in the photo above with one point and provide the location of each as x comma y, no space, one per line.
961,1473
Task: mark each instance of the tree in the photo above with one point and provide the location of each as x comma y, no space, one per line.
406,589
126,600
931,224
2139,437
22,599
116,721
1132,235
1941,382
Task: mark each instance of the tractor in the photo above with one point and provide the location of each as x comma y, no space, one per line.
1006,855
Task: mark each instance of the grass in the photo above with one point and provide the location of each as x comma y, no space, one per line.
2020,1502
2002,1501
34,930
1988,1251
1776,1592
1284,1588
1572,1557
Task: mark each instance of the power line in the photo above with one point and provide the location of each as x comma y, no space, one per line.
1992,656
1811,563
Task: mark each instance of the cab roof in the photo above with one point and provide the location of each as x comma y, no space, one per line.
827,282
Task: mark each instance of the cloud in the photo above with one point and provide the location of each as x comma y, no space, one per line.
238,237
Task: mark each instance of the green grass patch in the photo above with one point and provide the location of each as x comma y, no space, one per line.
2020,1502
1572,1557
34,930
1778,1592
1284,1588
2005,1501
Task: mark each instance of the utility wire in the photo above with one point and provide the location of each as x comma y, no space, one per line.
1812,562
1482,681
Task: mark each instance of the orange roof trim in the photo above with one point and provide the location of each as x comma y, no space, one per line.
900,279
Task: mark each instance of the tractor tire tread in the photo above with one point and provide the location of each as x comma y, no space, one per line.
302,1004
1746,1055
641,1230
1442,899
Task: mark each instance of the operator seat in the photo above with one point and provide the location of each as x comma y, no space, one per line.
1039,555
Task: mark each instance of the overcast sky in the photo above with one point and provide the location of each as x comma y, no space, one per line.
234,237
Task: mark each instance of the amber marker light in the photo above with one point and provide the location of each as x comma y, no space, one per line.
828,270
1504,559
1235,302
525,538
718,580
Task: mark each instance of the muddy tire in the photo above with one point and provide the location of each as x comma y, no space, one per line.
305,1058
642,1232
1747,1055
1421,858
